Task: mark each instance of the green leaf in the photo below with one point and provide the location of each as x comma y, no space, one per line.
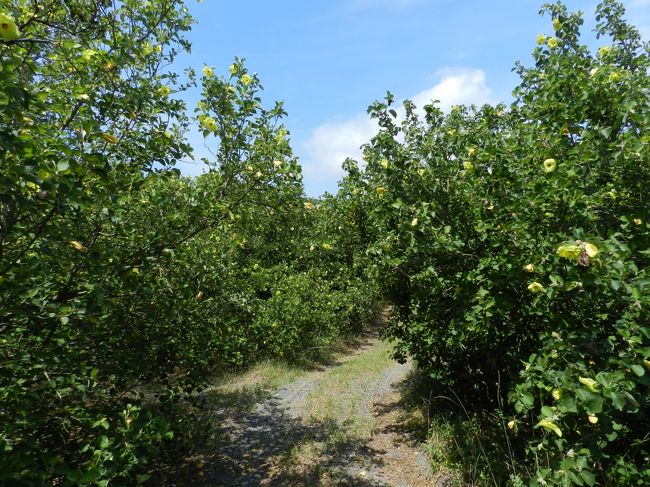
103,442
588,477
638,370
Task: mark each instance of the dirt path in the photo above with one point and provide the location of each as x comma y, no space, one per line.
340,425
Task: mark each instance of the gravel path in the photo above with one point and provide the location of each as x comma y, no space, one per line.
256,444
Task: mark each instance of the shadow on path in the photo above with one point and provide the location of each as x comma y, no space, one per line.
252,446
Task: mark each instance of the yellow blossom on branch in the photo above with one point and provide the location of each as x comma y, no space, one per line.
209,123
569,252
550,165
246,80
8,28
591,250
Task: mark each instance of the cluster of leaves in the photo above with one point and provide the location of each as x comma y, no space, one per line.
123,284
514,244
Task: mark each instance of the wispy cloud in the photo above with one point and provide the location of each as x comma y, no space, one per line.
331,142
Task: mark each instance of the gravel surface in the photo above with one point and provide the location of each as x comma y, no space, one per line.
257,442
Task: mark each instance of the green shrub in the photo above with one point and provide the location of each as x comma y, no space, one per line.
514,244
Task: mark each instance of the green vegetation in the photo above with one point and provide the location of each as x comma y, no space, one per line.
512,241
514,244
123,285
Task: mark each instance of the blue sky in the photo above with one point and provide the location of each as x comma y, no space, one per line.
329,59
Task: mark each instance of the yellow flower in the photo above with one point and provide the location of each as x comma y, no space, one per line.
591,384
164,90
380,190
384,163
471,151
246,80
637,221
83,97
312,248
535,287
529,268
541,39
207,72
8,28
603,51
469,167
593,71
614,77
557,24
591,250
78,245
327,246
552,42
309,205
557,394
209,123
111,139
550,425
277,163
549,165
233,69
569,252
421,171
512,424
593,419
414,223
258,174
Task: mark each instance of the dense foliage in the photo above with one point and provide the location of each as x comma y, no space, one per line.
514,242
122,284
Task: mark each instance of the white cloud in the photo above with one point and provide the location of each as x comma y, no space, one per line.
457,86
330,143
